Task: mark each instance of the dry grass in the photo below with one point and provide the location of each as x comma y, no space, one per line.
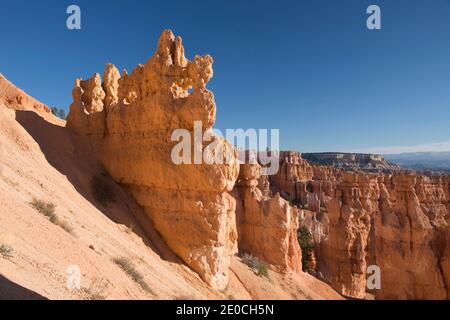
186,297
65,226
6,251
128,267
48,210
98,290
130,228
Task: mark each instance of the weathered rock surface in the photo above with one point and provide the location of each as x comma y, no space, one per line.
267,226
130,120
14,98
398,222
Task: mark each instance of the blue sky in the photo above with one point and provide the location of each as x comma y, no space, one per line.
310,68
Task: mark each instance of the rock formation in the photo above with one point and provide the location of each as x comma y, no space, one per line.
14,98
130,120
267,226
352,161
398,222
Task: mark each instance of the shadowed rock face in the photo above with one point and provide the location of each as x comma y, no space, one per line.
130,119
398,222
267,225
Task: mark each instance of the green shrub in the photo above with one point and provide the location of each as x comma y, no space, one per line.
258,266
60,113
306,244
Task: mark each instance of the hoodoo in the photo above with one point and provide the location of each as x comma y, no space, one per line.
130,119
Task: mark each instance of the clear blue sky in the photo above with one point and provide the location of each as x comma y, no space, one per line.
310,68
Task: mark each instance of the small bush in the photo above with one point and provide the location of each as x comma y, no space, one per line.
6,251
307,246
126,265
48,210
101,189
258,266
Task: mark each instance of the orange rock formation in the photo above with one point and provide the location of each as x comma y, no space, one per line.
398,222
267,225
130,120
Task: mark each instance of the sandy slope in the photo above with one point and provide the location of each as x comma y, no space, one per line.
41,159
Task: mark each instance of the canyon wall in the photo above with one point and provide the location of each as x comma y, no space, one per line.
398,222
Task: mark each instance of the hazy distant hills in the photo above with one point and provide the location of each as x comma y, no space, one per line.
422,160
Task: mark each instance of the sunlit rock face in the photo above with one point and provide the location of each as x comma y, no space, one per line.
130,119
398,222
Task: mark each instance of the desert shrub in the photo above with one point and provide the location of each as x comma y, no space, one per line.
258,266
48,210
126,265
6,251
306,244
101,189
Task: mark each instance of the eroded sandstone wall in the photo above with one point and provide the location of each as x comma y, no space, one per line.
130,120
267,226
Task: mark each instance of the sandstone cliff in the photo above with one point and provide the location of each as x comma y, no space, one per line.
130,120
397,222
267,226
